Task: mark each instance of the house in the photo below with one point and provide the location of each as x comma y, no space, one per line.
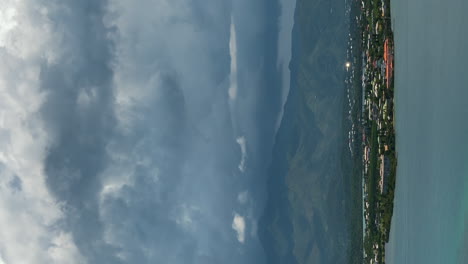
384,173
367,153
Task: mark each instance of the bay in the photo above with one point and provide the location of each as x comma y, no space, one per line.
430,216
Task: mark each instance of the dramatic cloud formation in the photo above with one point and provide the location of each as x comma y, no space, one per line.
29,213
124,130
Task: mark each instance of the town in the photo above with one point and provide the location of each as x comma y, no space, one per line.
378,133
371,103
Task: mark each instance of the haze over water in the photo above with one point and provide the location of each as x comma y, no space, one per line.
430,223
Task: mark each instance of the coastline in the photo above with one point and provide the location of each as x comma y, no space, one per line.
371,112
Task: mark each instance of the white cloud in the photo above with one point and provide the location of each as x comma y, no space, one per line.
7,22
243,197
238,224
28,211
63,250
233,52
243,146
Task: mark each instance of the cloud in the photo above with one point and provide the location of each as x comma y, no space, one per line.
79,118
16,184
286,23
28,208
233,53
185,216
116,131
243,197
238,224
165,163
243,146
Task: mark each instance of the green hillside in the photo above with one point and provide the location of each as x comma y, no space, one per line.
305,216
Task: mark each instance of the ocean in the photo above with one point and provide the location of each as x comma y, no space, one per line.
430,221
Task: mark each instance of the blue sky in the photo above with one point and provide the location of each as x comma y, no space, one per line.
137,132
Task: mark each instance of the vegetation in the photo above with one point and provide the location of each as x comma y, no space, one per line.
377,126
305,220
314,213
352,162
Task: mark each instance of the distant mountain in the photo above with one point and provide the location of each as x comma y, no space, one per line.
304,219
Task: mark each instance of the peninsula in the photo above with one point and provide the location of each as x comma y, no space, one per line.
371,138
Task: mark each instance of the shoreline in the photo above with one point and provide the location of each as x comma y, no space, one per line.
372,135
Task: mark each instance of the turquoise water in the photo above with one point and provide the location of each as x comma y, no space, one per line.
430,223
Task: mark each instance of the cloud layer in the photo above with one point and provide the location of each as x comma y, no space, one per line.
29,213
124,130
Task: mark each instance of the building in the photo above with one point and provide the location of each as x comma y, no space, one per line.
388,58
384,173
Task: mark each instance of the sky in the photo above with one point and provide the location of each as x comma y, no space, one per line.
138,132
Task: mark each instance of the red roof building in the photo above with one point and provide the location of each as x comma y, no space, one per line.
388,57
